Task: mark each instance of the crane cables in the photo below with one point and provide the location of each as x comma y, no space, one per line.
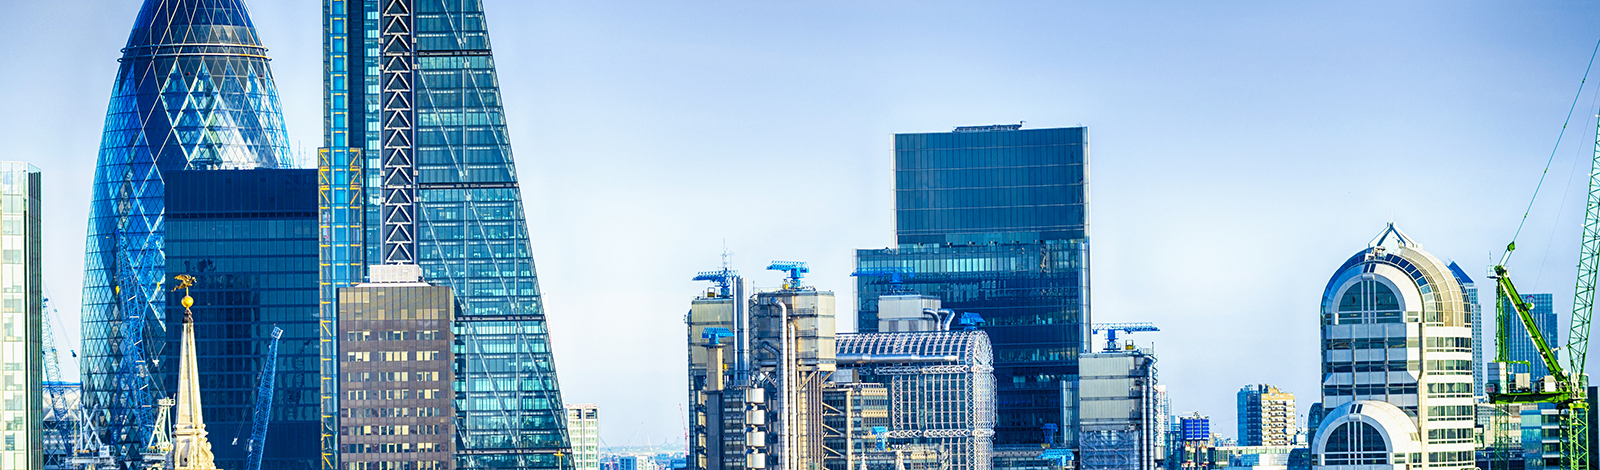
1552,158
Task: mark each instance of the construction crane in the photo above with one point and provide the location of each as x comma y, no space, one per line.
796,270
1111,330
1567,387
263,412
723,278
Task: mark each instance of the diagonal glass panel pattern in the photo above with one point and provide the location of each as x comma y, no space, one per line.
194,91
472,234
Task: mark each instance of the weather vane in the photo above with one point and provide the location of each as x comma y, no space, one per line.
186,281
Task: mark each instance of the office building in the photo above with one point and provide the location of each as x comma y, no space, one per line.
249,239
1525,358
1266,416
729,426
583,429
939,380
795,328
1396,362
398,411
1470,302
855,423
1191,446
994,220
21,313
417,169
1117,405
193,91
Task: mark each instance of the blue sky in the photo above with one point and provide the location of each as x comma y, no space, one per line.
1239,152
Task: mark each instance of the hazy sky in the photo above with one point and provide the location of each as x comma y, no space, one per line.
1239,153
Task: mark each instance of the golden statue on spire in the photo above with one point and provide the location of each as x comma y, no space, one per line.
191,450
186,281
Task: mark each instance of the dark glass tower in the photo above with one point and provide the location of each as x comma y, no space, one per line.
249,238
1525,357
417,169
994,220
194,92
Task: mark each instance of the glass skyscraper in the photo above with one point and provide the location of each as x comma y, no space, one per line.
249,238
193,92
21,314
994,220
417,169
1525,357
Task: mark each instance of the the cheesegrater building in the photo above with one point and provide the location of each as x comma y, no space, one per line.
193,92
416,168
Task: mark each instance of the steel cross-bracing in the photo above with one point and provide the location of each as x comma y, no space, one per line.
398,101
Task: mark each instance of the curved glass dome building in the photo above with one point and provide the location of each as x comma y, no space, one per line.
194,92
1396,362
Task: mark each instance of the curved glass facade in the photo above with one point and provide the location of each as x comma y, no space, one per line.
194,92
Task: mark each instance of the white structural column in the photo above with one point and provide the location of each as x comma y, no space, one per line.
190,450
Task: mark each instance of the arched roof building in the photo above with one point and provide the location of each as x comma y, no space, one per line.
1396,362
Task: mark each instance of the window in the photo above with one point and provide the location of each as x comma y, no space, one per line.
1356,443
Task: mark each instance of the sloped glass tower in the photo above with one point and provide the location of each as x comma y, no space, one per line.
194,92
417,169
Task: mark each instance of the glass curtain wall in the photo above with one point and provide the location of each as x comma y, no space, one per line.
994,220
194,91
472,233
249,239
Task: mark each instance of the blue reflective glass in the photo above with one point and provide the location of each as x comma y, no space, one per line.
194,91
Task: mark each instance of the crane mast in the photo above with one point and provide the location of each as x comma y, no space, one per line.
1576,445
1570,394
263,411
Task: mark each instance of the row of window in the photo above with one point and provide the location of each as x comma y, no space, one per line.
420,412
401,394
412,465
391,356
422,376
422,335
1397,365
394,448
1370,343
392,430
1374,389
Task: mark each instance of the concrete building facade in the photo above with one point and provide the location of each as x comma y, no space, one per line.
398,409
583,430
1266,416
1396,362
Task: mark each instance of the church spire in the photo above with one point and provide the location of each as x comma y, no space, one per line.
191,450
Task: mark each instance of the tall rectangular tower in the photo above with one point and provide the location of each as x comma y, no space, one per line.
1469,300
583,425
22,310
417,169
397,371
1266,416
249,239
994,220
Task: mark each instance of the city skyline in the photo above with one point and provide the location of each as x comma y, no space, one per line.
1474,97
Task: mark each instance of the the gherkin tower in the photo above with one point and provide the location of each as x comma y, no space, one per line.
193,92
